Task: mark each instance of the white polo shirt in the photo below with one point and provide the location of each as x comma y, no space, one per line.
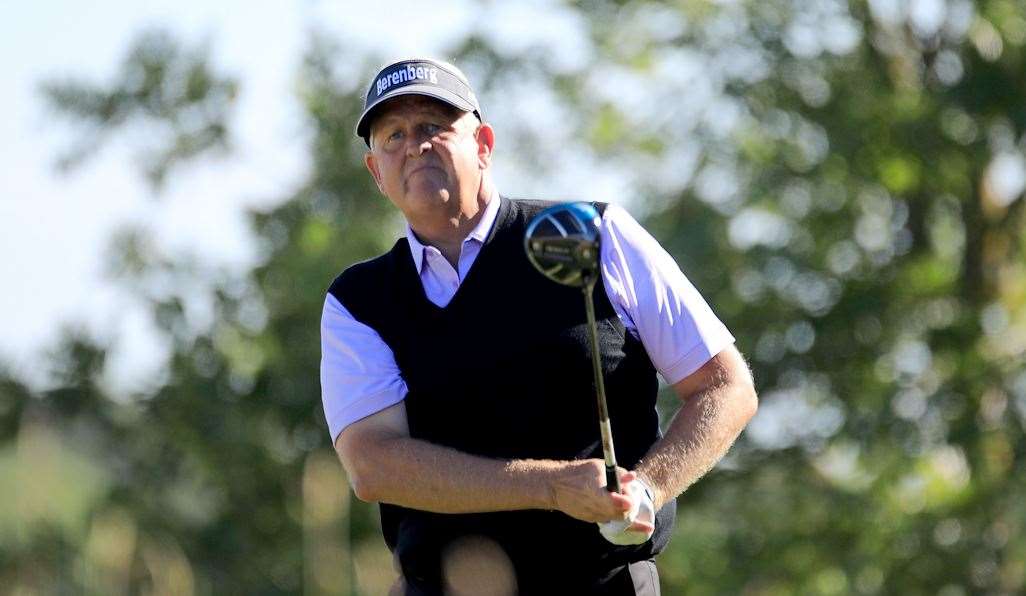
652,297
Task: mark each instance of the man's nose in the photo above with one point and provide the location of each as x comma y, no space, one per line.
417,145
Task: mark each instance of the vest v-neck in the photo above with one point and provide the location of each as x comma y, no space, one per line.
411,277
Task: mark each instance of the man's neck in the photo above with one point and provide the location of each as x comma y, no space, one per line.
449,236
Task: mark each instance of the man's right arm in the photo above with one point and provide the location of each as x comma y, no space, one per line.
363,394
386,465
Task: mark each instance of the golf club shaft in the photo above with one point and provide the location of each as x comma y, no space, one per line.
612,480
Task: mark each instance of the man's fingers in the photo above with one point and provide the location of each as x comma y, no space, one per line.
641,526
579,491
622,500
638,523
618,507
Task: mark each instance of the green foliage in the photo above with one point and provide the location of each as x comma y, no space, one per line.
168,93
825,173
893,261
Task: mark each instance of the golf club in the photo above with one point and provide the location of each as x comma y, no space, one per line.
562,242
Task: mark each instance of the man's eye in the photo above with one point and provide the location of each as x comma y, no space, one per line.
392,139
432,129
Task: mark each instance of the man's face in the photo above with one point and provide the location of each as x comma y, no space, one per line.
427,156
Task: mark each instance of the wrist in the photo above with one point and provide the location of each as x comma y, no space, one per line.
649,487
538,476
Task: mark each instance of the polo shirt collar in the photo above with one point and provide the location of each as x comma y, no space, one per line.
479,233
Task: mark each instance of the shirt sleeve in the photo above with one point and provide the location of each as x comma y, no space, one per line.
655,300
359,375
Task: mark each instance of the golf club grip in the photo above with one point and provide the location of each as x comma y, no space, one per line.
612,480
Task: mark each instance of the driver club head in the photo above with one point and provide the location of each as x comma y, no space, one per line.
562,242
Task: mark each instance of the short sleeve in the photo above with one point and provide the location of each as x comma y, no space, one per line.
656,300
359,375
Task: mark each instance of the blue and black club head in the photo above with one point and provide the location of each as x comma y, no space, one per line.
563,242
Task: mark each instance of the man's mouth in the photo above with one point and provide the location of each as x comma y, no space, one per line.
421,169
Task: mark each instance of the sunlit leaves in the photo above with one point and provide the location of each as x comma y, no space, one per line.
169,92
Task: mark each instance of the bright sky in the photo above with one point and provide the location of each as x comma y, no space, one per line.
55,228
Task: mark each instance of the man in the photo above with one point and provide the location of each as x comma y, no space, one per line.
456,379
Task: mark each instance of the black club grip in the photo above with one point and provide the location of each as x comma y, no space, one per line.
612,480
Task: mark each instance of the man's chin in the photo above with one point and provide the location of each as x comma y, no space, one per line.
428,195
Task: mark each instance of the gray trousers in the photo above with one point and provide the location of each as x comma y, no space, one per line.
637,579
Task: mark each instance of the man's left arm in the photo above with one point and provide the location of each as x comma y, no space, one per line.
691,348
718,401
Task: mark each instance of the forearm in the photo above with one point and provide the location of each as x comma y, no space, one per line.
699,435
386,465
421,475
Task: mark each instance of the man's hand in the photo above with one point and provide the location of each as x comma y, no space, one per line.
579,490
640,522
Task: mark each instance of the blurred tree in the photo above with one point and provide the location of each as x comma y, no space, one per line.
200,483
855,178
166,96
853,172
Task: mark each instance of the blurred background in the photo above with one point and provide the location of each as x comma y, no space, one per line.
843,181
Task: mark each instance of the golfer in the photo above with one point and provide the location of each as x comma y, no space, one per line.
457,380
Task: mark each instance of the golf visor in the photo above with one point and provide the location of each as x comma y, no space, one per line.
417,77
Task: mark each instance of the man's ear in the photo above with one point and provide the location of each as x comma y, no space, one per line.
372,167
485,145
